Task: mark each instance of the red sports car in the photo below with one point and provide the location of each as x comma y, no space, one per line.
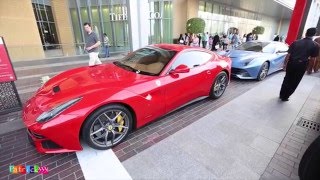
104,103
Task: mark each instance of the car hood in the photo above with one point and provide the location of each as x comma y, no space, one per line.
80,81
241,58
242,55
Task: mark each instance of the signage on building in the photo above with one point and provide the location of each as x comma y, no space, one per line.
6,70
119,17
155,15
124,15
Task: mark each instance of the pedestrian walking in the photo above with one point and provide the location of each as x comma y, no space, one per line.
235,41
216,39
205,40
181,39
316,65
249,37
186,39
225,42
296,63
106,45
195,41
277,38
199,42
92,45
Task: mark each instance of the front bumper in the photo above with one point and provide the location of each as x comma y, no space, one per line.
60,134
45,145
241,73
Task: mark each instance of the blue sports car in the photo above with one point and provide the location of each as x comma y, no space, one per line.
256,59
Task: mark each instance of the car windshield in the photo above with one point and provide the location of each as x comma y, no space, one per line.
255,46
147,61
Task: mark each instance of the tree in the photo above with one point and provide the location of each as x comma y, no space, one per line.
258,30
195,25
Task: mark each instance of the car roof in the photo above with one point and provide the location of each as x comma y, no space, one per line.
274,42
174,47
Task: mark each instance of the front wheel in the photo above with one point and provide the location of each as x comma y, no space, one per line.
263,71
219,85
107,127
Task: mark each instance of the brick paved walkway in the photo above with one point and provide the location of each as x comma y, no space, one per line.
285,163
16,150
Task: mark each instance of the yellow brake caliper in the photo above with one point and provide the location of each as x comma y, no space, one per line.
120,121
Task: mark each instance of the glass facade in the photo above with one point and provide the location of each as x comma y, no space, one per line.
45,22
222,19
106,16
160,21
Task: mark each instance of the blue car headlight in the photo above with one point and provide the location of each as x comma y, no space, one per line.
45,116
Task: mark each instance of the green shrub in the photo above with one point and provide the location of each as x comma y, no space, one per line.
195,25
258,30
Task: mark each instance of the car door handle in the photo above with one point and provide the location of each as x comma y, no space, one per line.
208,72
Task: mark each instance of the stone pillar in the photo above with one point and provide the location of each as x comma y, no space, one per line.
313,16
20,31
63,24
182,11
298,19
139,23
193,8
179,17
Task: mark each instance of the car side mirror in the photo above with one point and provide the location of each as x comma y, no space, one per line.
180,69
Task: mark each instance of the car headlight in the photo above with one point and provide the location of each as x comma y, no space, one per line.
56,110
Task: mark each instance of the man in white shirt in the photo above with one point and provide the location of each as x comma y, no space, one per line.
205,40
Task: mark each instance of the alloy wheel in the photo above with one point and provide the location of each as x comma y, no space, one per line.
264,71
109,128
220,85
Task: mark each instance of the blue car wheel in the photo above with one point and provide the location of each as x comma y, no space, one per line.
263,71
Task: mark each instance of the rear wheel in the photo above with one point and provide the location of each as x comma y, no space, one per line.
219,85
263,71
107,127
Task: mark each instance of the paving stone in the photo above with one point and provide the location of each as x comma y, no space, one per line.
282,151
267,176
276,166
284,160
279,176
265,145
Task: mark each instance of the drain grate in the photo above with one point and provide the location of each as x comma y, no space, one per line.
309,124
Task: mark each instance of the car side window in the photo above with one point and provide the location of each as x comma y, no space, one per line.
283,48
192,59
270,48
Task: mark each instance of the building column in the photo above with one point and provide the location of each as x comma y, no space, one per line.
20,31
182,11
139,23
63,24
297,22
313,15
193,8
